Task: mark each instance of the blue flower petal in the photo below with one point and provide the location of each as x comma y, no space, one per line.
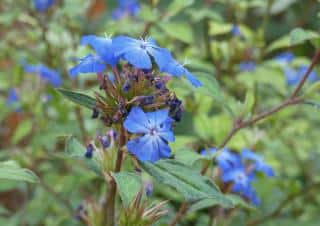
102,46
42,5
148,148
88,64
193,80
136,121
138,57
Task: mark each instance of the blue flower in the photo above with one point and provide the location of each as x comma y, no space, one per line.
235,31
238,176
294,76
12,97
247,66
227,159
259,163
139,52
102,46
47,74
284,58
126,7
42,5
175,69
156,131
88,64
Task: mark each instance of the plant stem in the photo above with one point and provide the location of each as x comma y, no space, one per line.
182,211
109,207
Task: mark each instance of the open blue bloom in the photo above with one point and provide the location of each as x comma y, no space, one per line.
247,66
240,179
139,52
126,7
155,130
227,159
47,74
175,69
284,58
294,76
259,163
235,31
102,46
88,64
42,5
12,97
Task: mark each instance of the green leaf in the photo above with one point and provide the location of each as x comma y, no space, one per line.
190,183
299,36
312,90
22,131
188,157
248,102
10,170
178,30
129,184
217,28
76,150
79,98
207,203
176,6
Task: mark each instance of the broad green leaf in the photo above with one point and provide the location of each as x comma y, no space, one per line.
79,98
280,6
76,150
312,90
129,184
176,6
188,157
207,203
10,170
248,102
210,86
200,14
22,131
299,36
178,30
219,28
190,183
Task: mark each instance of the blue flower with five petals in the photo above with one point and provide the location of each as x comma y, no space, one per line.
154,130
139,52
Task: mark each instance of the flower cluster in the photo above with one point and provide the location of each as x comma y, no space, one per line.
126,8
293,75
239,170
42,5
134,91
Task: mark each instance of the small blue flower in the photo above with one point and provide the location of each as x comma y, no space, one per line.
126,7
259,163
227,159
235,31
284,58
102,46
12,97
47,74
156,131
139,52
247,66
42,5
175,69
88,64
240,179
294,76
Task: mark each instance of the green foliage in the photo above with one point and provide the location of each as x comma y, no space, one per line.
10,170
